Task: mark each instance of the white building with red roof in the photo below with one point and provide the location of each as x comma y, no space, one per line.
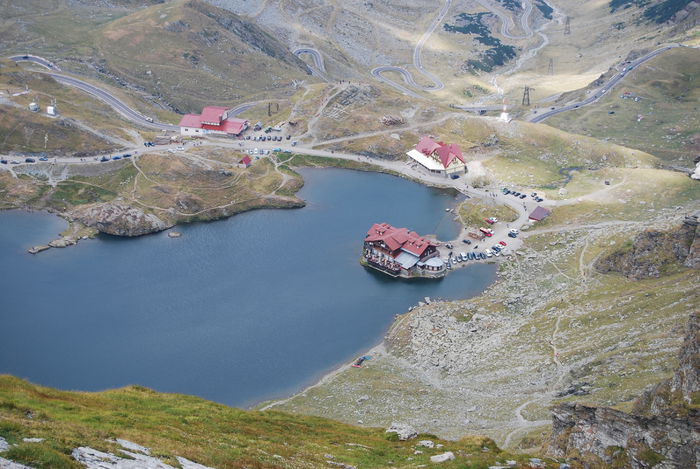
438,157
401,253
213,119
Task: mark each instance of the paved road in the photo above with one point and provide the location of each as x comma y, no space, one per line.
417,63
609,85
105,96
37,60
319,68
506,19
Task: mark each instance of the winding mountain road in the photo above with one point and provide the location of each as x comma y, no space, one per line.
103,95
608,86
507,20
319,68
417,63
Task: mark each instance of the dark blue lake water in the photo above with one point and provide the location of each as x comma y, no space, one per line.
236,311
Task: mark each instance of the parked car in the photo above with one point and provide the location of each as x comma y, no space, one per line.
466,241
116,157
29,160
502,243
454,176
522,196
288,137
43,158
3,161
489,221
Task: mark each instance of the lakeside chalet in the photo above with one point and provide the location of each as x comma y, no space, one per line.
212,120
439,157
399,252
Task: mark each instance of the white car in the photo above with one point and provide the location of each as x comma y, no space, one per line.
255,151
463,256
180,148
488,253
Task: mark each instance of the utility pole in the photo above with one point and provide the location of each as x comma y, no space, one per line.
550,67
526,96
567,26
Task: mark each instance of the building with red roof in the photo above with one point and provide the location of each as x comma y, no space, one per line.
401,253
213,119
245,162
438,157
539,214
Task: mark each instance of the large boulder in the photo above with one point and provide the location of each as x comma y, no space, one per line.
403,431
119,219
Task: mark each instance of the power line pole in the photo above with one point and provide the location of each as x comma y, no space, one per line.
567,26
526,96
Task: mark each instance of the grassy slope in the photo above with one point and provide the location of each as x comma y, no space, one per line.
64,135
669,93
193,59
157,182
202,431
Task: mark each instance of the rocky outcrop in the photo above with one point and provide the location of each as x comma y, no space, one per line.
662,431
403,432
652,252
119,219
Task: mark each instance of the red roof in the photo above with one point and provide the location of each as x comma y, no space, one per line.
191,120
246,160
427,146
398,238
212,114
445,152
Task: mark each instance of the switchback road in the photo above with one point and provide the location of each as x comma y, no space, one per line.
608,86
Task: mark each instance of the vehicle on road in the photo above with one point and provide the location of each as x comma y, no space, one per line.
149,119
116,157
522,196
126,155
466,241
454,176
29,160
180,148
487,231
43,158
502,243
3,161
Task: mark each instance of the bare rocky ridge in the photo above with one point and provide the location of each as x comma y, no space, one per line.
663,430
652,251
119,219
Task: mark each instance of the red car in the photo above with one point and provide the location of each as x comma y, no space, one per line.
487,231
489,221
502,243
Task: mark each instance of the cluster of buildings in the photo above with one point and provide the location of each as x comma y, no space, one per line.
399,252
212,120
439,157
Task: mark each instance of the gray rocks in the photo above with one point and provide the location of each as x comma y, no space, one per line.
32,440
119,219
62,243
426,443
7,464
404,432
448,456
4,445
137,458
662,427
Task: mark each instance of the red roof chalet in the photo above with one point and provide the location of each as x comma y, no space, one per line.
214,118
445,152
398,239
245,161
